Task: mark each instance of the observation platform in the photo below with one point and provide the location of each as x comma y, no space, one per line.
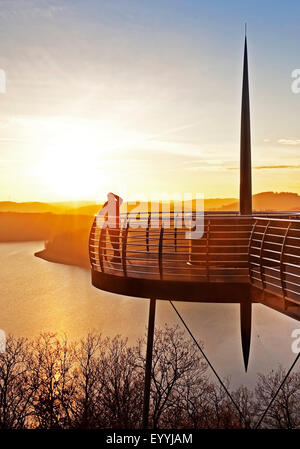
238,258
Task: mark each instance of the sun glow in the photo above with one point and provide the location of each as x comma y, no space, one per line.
69,166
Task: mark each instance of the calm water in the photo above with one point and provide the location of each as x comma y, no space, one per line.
39,296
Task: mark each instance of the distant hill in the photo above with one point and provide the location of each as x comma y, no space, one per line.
86,207
65,226
22,227
216,203
270,201
91,209
39,207
69,248
209,204
265,201
30,207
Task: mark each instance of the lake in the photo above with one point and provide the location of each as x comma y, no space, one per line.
38,296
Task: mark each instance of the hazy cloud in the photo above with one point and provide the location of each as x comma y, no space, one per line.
270,167
289,141
30,8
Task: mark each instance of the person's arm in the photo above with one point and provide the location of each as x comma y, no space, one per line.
103,211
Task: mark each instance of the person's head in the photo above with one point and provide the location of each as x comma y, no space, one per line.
112,197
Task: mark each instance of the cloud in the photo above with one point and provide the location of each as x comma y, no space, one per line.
276,167
10,9
289,141
271,167
13,139
210,165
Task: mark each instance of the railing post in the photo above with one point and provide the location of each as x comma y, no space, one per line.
192,244
147,232
207,250
160,251
91,236
175,233
283,287
124,246
249,249
261,255
100,249
148,367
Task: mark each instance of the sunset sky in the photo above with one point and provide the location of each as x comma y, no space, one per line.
143,96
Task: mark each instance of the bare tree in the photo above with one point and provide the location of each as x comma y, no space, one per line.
87,409
99,382
285,410
244,398
121,385
52,382
174,361
15,391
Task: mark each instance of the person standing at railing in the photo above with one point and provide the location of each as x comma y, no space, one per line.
111,214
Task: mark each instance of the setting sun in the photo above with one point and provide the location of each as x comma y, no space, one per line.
68,166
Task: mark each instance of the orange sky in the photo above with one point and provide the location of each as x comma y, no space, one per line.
131,101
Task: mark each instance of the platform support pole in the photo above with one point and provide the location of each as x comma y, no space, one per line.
148,367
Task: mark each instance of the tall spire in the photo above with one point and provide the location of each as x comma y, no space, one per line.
245,156
245,197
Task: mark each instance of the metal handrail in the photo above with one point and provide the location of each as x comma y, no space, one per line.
264,250
261,254
280,276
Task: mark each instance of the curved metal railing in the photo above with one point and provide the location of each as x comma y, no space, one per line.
262,249
162,247
274,256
